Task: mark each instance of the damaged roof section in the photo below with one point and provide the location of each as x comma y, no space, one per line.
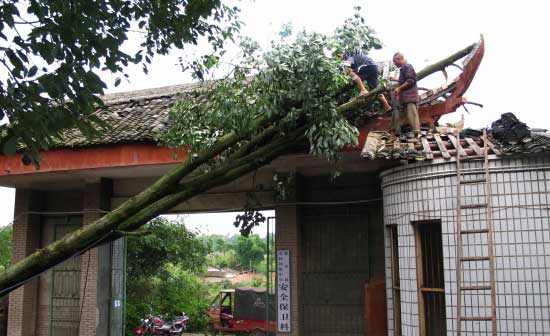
507,136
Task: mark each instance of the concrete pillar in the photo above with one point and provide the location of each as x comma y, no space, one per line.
26,239
288,237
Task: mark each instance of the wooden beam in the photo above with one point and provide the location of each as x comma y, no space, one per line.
494,148
427,149
442,147
456,145
473,145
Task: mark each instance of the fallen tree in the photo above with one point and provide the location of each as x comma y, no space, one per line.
235,126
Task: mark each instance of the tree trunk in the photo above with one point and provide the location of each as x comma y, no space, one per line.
167,191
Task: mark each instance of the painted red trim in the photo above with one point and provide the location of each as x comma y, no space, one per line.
93,157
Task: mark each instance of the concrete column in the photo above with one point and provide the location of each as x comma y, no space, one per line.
288,237
26,239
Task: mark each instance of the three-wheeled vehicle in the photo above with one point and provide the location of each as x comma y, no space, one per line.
242,311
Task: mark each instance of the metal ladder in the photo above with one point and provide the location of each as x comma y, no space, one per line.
487,230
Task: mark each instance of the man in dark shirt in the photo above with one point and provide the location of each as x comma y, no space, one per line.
363,68
407,94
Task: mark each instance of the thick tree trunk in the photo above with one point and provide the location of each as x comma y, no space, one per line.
167,191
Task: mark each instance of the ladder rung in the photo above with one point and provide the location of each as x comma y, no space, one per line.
475,288
474,231
474,258
476,318
482,180
474,206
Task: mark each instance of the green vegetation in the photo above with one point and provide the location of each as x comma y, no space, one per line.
5,260
237,252
5,246
165,269
52,52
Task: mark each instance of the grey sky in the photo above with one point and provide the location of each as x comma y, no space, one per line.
513,76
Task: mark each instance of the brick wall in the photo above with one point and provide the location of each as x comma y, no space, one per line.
30,304
26,239
89,266
88,293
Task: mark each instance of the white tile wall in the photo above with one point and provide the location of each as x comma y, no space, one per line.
521,202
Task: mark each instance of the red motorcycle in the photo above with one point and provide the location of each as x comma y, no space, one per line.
156,325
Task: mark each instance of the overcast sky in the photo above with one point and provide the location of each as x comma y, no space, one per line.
513,76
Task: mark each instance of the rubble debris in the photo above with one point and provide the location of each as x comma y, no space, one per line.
507,136
515,137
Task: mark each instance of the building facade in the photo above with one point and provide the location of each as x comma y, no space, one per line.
371,252
83,295
420,212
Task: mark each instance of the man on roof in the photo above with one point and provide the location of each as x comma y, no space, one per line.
407,94
363,68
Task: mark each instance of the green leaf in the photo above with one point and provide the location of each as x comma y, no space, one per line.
32,71
10,146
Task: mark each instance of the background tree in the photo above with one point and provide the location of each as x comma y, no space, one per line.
52,51
250,251
5,246
163,272
288,98
169,242
6,234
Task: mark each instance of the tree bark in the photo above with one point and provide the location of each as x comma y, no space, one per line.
167,191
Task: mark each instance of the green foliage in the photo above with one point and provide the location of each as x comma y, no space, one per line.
170,242
161,273
250,250
5,246
163,270
237,252
295,84
175,291
52,52
248,220
356,35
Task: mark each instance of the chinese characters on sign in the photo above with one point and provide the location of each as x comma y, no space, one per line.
283,291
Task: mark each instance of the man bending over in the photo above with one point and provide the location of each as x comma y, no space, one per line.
363,68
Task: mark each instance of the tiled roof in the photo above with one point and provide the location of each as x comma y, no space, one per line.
135,116
441,143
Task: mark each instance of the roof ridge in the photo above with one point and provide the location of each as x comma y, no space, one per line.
150,93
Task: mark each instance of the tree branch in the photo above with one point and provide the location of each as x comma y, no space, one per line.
216,178
365,100
87,236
